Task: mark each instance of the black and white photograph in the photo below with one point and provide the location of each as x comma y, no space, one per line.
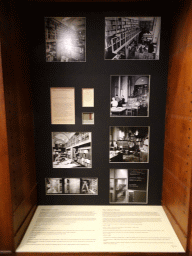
81,186
65,39
128,186
132,38
72,149
53,185
128,144
129,96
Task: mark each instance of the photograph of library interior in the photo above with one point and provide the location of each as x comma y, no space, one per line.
129,96
65,39
132,38
128,186
71,149
129,144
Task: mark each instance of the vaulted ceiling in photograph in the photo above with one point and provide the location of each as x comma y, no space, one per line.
61,137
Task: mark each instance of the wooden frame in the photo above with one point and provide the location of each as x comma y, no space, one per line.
17,148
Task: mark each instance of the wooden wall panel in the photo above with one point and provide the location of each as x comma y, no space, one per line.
6,230
18,117
179,203
175,161
24,209
176,196
181,23
178,130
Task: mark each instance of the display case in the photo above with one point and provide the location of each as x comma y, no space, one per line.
26,76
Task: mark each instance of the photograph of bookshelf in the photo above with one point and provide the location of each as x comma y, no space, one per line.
132,37
65,39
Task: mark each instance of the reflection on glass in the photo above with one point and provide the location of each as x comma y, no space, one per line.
65,39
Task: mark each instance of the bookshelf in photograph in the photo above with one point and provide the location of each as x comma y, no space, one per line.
65,39
132,38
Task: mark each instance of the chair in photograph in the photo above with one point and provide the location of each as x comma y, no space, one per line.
134,111
129,111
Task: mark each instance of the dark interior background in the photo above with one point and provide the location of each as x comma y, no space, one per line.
95,73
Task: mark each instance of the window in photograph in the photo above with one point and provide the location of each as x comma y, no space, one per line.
129,96
65,39
72,149
88,118
128,186
132,38
129,144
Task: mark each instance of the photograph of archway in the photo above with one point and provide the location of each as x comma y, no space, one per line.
132,38
129,96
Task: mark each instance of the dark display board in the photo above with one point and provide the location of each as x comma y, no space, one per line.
90,184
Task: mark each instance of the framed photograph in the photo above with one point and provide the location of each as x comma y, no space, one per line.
62,105
128,186
71,186
72,149
88,118
132,38
53,185
81,186
129,96
128,144
65,39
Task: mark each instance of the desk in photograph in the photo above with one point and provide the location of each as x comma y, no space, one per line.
118,110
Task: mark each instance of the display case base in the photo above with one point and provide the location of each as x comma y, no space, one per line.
100,229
